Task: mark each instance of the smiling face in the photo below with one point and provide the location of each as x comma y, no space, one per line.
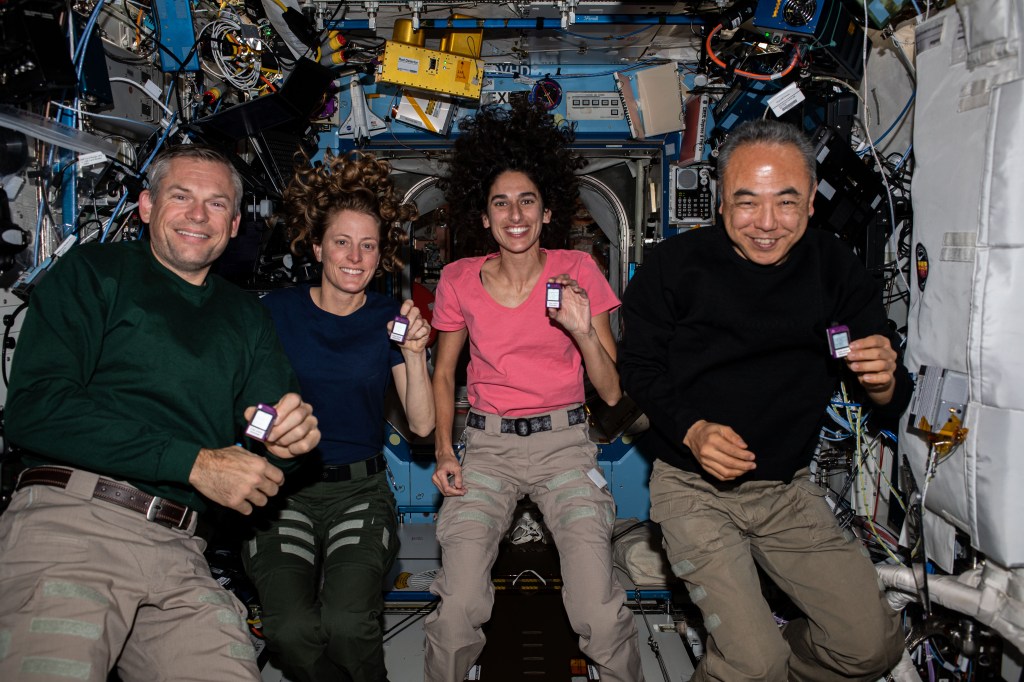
515,213
191,217
350,252
767,199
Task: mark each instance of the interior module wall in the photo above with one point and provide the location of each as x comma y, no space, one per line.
968,194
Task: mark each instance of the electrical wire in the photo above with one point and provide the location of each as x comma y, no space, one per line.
894,245
895,123
8,326
113,216
401,625
323,31
78,58
840,82
93,114
142,170
651,642
607,38
748,74
142,48
150,35
905,156
123,79
243,74
865,464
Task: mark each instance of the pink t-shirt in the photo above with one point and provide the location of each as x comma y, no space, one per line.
520,361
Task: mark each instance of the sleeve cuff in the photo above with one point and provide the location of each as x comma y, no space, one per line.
178,459
287,465
684,420
900,397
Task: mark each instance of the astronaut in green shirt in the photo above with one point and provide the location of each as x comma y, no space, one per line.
135,374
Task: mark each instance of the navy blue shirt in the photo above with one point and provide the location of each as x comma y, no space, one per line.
343,365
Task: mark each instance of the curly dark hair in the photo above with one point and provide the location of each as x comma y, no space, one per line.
354,182
524,138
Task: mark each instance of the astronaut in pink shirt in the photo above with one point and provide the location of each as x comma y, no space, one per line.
511,181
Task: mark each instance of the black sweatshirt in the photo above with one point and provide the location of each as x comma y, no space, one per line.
710,335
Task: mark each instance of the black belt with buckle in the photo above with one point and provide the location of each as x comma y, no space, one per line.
155,509
347,472
524,426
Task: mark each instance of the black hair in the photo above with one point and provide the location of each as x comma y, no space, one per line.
523,138
767,132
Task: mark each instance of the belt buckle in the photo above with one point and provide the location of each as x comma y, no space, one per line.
154,508
522,426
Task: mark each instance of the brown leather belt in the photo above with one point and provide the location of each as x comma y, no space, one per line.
155,509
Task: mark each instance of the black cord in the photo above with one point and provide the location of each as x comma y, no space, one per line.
422,612
156,41
8,325
320,34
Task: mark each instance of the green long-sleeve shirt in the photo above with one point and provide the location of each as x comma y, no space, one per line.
124,369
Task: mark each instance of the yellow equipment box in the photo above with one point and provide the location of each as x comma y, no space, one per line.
431,70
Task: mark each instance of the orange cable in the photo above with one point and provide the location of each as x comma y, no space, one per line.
749,74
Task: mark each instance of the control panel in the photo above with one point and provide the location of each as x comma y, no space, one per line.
692,196
593,106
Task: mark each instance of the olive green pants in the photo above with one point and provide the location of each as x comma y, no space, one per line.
343,532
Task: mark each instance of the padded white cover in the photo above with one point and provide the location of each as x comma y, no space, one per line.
968,194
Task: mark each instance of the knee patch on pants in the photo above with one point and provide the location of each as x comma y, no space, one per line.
579,498
477,516
479,505
69,590
683,568
243,652
295,537
475,494
479,479
57,667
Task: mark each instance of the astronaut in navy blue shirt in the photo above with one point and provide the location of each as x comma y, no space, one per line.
339,517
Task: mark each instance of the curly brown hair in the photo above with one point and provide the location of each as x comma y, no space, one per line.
352,182
524,138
